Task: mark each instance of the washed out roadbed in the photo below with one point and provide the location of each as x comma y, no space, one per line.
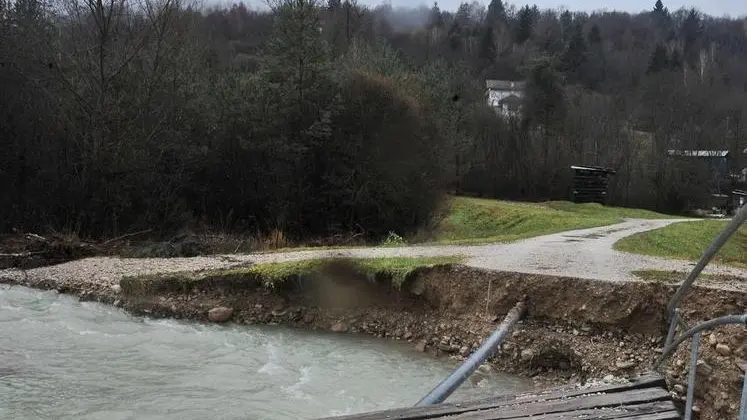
589,315
576,330
586,253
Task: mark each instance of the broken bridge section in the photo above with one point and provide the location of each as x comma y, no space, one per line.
641,398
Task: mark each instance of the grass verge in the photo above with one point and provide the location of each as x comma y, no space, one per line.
663,276
688,240
475,220
272,274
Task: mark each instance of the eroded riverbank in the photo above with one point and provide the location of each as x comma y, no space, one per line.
576,330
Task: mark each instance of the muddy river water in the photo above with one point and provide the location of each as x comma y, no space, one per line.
64,359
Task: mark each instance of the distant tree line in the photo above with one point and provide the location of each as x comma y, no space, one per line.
321,118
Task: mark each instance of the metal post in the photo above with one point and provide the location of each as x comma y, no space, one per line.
737,221
743,406
672,327
724,320
691,378
488,347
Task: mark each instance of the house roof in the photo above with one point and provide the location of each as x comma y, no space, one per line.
505,84
511,99
699,153
592,169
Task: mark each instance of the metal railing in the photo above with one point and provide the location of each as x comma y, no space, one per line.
488,347
451,383
676,321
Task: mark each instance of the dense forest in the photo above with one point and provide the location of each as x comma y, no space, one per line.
315,118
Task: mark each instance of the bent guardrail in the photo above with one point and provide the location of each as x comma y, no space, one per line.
675,318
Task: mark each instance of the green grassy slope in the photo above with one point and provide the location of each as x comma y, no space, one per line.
474,220
688,240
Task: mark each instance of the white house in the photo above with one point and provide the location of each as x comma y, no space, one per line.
506,96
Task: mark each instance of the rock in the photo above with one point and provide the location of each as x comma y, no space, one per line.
712,339
464,351
723,349
116,288
339,327
741,364
527,355
447,348
420,346
575,332
624,364
279,312
703,368
117,303
696,409
308,317
678,388
408,335
220,314
609,378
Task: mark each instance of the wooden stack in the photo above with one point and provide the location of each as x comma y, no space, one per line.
590,184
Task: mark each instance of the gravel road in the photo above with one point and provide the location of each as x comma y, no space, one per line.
585,253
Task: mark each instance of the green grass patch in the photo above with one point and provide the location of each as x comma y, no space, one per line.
475,220
398,268
688,240
271,275
663,276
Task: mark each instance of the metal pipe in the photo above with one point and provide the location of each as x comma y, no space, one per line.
691,378
737,221
672,327
488,347
743,406
724,320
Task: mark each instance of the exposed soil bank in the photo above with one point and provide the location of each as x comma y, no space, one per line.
575,330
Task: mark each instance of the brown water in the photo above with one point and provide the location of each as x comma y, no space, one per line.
64,359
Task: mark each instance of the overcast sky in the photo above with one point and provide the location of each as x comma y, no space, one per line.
734,8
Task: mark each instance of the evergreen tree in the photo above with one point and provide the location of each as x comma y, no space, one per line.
659,60
595,35
496,13
525,25
488,50
663,20
455,36
574,55
297,69
659,8
594,68
435,18
692,31
566,24
545,101
675,61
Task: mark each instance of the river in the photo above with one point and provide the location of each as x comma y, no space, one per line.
64,359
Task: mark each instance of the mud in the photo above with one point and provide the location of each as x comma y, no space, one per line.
575,330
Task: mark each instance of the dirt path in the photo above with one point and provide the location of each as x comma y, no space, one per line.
585,253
